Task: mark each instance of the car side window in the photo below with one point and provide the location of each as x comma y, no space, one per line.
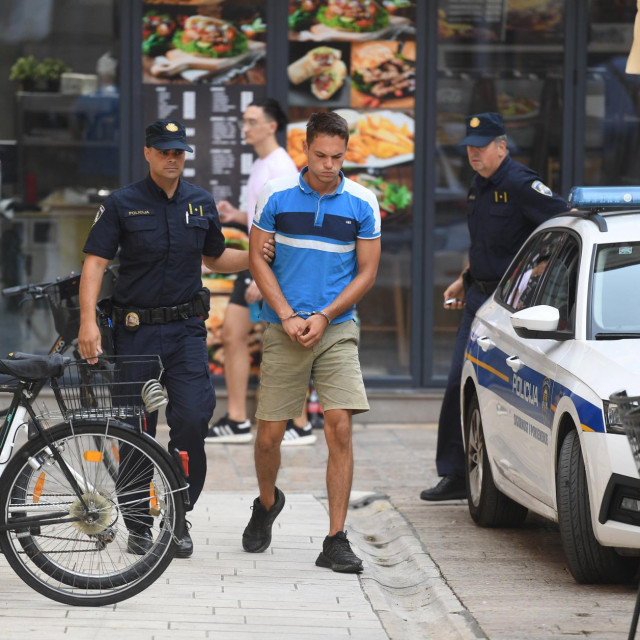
559,289
520,287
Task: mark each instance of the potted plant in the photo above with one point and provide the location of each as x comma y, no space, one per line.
50,70
38,75
24,72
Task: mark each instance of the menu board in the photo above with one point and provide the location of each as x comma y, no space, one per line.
203,63
358,59
213,42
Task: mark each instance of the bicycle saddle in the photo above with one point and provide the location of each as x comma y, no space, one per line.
31,368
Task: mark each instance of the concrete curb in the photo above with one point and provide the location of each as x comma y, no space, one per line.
404,585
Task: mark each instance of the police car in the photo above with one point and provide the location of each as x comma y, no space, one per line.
560,335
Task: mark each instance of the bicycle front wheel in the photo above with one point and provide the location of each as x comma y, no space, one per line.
90,534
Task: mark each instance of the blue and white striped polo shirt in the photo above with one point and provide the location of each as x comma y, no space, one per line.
315,239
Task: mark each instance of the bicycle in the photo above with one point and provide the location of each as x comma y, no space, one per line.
65,520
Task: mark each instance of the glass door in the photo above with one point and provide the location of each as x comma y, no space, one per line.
612,97
493,55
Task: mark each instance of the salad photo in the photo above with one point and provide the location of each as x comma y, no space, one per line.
394,198
302,14
157,31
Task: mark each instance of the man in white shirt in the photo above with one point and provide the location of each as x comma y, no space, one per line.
260,123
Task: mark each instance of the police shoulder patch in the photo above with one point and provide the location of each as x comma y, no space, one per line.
99,214
541,187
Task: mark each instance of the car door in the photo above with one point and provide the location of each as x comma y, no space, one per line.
527,417
495,343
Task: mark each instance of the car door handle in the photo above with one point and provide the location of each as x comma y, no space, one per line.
486,343
515,363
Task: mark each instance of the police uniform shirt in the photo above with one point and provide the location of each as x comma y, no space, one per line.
502,212
161,241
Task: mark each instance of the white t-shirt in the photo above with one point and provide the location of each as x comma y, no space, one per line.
278,163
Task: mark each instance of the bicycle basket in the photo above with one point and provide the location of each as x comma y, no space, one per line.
111,388
64,301
629,409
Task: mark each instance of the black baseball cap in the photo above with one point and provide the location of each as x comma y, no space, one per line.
482,129
167,134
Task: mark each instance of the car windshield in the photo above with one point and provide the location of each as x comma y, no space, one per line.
615,303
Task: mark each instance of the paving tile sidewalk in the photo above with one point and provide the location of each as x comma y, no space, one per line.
221,592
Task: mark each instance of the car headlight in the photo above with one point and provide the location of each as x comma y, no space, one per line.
612,419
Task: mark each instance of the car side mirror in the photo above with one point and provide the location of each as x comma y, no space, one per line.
539,322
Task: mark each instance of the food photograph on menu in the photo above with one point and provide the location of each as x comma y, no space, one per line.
383,73
318,74
350,20
379,155
209,41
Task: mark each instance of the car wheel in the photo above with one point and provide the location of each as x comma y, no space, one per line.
488,506
589,562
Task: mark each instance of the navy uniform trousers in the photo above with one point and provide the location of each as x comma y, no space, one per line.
450,451
182,348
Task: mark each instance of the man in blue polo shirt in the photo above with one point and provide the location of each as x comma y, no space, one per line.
327,233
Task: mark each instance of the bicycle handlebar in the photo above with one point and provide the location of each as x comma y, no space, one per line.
37,291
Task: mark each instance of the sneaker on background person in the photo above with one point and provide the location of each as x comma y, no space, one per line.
295,436
228,431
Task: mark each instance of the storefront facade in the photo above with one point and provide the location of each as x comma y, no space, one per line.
554,68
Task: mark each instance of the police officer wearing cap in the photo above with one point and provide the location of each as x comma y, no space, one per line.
163,228
505,203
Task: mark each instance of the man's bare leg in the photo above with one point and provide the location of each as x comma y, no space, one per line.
337,431
236,328
267,458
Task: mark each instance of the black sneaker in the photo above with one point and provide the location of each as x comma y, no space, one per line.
336,555
228,431
298,436
140,541
257,535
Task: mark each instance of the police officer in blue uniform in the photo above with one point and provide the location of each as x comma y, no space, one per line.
505,203
164,229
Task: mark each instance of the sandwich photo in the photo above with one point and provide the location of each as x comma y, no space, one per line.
210,37
329,80
323,68
381,70
353,15
312,63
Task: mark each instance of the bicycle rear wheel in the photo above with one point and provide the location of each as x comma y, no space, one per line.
74,550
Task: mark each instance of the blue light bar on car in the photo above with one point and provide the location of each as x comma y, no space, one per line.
604,197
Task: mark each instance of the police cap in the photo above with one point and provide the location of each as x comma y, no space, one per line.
167,134
482,129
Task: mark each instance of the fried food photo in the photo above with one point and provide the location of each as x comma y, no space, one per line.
380,137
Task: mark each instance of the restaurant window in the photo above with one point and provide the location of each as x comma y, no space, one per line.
612,101
360,62
493,55
59,141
